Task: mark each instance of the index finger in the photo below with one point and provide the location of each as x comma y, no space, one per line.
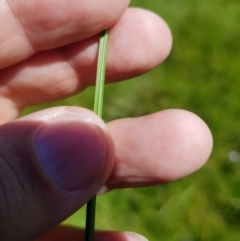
39,25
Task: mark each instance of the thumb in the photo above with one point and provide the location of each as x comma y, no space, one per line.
51,163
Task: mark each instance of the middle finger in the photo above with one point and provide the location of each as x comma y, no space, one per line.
55,74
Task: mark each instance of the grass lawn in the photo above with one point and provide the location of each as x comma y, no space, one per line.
202,75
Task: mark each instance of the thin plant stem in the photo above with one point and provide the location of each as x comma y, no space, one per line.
98,106
101,69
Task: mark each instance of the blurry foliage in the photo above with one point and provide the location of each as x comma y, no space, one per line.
202,75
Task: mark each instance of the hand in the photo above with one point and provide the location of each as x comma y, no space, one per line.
53,161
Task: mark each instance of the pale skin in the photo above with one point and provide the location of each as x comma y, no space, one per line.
48,51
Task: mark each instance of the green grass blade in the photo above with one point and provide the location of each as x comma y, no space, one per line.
101,68
98,105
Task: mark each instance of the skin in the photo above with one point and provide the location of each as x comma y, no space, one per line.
48,52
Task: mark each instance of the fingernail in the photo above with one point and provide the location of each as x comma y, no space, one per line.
103,190
131,236
72,154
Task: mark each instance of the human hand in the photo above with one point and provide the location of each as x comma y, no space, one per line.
54,161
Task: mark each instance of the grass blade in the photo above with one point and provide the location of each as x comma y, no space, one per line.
101,69
98,106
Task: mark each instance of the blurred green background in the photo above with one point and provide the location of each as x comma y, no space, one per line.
201,75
